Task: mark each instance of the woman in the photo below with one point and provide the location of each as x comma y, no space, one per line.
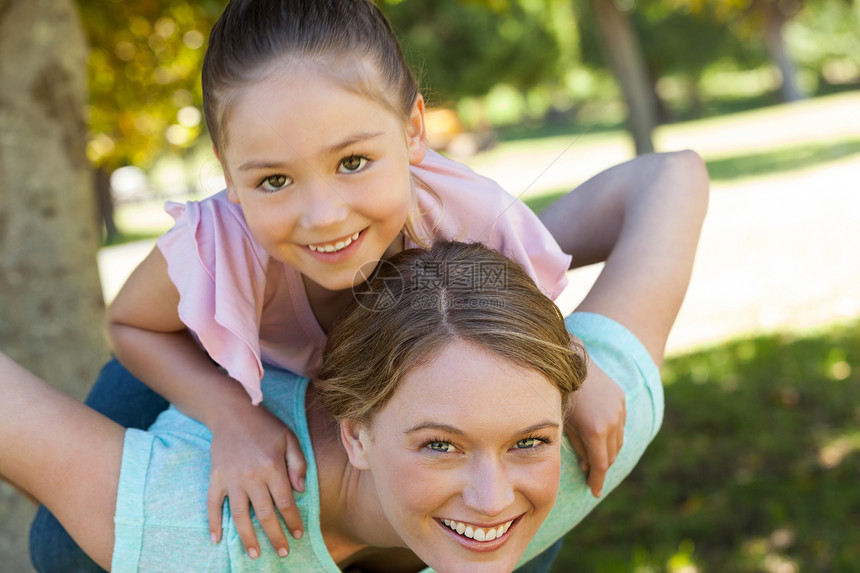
483,423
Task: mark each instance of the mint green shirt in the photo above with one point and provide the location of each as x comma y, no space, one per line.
161,522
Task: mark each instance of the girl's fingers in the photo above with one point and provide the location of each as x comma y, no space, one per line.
619,435
214,504
297,466
240,511
578,447
267,516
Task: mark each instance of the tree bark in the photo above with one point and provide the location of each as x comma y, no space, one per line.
104,200
628,66
52,307
774,24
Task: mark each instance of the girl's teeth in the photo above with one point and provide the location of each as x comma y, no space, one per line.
336,247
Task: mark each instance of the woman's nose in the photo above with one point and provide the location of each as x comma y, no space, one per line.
324,205
489,490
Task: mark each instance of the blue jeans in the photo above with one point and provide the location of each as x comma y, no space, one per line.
127,401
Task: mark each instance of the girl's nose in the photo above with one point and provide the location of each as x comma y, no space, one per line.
489,490
324,205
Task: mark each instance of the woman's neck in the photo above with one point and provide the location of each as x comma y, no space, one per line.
352,523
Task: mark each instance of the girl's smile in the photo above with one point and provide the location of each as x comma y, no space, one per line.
321,172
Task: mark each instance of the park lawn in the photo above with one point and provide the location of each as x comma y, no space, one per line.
755,468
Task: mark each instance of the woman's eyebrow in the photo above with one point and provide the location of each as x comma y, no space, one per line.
448,428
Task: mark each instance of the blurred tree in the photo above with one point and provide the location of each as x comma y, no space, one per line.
683,43
144,79
52,306
469,46
624,54
762,20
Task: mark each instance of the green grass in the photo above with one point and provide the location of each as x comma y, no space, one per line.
749,164
780,160
756,465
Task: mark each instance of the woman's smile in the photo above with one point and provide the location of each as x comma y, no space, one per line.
466,455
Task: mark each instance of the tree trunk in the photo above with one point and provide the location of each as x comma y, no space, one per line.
52,307
774,23
104,199
628,66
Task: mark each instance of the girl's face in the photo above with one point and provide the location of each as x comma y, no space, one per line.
321,173
465,458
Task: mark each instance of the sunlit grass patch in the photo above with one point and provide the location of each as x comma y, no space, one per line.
755,468
781,159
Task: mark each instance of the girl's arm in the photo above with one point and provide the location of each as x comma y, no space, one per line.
255,456
588,224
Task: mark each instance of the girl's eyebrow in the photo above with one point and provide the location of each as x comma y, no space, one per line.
454,430
353,139
255,164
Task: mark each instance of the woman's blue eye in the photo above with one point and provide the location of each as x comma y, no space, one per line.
528,443
440,446
275,182
353,163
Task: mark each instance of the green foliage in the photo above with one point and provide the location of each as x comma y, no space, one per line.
144,77
756,465
825,40
464,48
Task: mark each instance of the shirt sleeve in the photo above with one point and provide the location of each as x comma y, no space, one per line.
470,207
625,360
220,273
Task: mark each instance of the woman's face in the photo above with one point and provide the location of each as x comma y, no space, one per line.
466,458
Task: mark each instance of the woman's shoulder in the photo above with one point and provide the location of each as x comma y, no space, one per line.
616,351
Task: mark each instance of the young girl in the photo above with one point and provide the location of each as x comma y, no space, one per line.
319,126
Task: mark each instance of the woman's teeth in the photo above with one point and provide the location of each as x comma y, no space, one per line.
477,533
333,248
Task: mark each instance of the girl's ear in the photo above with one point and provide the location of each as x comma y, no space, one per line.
355,438
231,189
416,132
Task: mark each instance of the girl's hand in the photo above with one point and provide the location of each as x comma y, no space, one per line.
595,425
255,459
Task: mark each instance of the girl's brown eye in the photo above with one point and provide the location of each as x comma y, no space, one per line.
275,182
353,163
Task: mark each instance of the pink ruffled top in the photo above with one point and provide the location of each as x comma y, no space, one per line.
247,309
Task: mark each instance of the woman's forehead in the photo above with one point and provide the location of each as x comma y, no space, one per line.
468,387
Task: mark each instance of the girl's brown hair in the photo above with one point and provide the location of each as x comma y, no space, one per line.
253,36
350,39
423,300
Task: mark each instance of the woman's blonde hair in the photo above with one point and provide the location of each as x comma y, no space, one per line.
421,300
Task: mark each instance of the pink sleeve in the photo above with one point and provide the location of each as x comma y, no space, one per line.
220,273
475,208
520,235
